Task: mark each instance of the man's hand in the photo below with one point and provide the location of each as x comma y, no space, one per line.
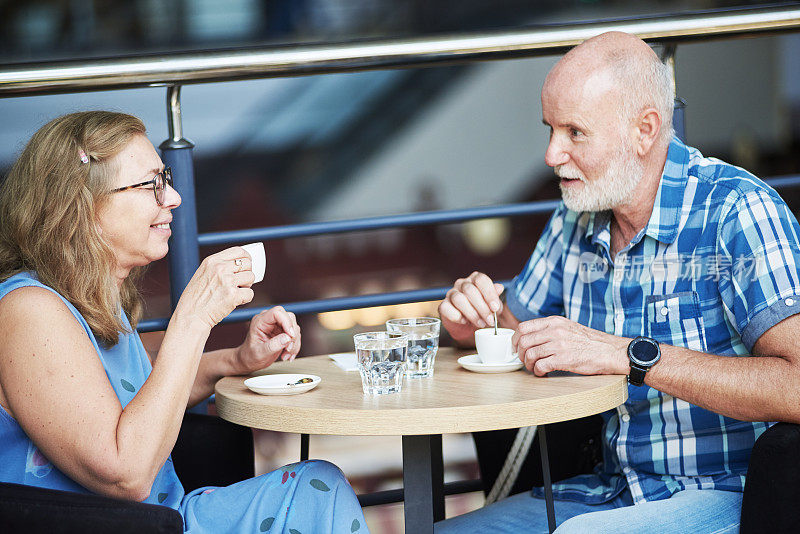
558,344
468,306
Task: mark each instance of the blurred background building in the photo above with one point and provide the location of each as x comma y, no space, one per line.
349,145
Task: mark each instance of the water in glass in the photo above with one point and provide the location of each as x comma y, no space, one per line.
381,361
423,343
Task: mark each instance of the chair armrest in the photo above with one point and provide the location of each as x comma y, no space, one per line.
209,452
33,510
772,489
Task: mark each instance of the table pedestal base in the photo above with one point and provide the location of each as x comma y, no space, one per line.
304,439
423,482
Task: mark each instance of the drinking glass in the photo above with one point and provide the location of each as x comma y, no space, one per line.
381,361
423,343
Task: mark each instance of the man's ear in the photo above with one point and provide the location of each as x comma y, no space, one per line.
648,127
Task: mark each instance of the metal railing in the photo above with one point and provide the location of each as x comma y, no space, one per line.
199,67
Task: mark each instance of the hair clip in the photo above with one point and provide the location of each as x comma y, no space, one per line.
84,157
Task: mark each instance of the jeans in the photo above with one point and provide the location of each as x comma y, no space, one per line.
696,511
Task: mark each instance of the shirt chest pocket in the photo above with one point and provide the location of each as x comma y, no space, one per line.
676,320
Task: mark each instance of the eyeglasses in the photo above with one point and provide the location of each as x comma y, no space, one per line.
159,182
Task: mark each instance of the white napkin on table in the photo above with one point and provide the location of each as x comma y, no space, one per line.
346,360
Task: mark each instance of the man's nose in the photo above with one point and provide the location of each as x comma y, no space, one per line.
555,155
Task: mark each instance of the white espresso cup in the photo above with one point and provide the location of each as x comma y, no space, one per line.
259,259
494,349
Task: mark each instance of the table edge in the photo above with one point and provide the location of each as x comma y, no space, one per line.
421,421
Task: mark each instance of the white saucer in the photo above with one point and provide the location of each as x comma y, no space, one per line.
281,384
473,363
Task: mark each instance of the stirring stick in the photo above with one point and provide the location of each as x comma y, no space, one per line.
495,322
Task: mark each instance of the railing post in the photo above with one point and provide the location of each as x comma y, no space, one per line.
184,251
184,254
679,111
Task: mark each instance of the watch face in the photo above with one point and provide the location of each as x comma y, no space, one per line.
644,351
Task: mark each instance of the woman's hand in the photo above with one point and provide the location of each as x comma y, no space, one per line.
220,284
272,334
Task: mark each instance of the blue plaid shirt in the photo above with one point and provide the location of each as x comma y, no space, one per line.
715,267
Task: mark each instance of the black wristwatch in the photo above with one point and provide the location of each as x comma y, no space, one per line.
643,353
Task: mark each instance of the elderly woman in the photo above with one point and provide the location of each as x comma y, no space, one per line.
82,407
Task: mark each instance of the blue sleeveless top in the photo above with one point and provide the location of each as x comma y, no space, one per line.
127,367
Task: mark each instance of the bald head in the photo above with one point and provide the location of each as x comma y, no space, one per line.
624,68
607,48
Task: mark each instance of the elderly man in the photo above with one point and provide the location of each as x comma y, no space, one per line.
663,265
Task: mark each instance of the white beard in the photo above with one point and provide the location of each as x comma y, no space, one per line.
613,188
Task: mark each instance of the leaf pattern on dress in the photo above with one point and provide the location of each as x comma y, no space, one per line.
355,525
267,524
127,385
162,497
318,484
36,463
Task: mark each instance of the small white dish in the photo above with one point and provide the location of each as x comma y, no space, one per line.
474,364
281,384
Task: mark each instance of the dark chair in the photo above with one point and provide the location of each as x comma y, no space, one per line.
771,501
208,452
573,447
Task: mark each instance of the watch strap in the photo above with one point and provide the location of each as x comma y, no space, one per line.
636,376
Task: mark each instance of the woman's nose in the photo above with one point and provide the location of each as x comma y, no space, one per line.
172,199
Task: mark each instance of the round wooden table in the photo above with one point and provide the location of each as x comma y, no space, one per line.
454,400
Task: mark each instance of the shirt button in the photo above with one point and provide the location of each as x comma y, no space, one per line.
626,470
789,302
664,311
626,418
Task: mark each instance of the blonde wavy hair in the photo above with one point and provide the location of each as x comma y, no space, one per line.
48,207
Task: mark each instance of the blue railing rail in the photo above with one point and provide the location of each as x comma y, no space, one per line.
377,223
323,305
353,225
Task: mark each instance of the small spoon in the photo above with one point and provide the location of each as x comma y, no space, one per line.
305,380
495,322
